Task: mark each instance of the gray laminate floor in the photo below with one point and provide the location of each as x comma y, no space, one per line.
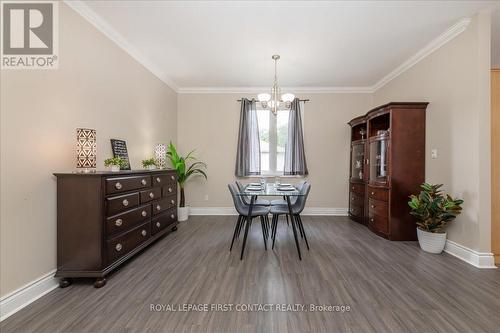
389,286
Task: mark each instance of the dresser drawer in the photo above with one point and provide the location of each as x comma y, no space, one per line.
378,194
379,223
123,184
161,180
120,203
376,207
164,204
164,220
150,195
125,243
357,188
170,189
356,199
356,210
124,221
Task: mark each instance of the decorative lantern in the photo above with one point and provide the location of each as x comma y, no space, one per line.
161,155
86,149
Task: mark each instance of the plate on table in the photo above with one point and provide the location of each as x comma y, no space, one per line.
254,184
285,185
286,188
254,189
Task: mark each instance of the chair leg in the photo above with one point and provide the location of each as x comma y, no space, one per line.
275,227
268,226
303,230
298,226
236,228
248,224
287,223
266,229
264,233
241,226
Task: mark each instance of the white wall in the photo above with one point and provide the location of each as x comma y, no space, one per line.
455,81
209,124
97,86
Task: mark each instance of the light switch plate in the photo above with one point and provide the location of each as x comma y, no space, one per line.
434,153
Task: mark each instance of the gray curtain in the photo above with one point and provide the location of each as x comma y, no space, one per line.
295,156
248,153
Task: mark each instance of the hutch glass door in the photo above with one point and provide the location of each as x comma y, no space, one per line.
357,161
378,160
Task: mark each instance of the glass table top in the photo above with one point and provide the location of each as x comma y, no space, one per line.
270,190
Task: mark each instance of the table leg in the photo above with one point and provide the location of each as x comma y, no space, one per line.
249,222
293,226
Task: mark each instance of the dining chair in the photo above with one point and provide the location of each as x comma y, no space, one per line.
257,202
292,200
297,208
243,212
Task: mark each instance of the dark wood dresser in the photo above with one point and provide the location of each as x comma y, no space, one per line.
105,218
387,165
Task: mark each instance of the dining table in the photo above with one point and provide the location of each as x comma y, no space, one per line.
253,191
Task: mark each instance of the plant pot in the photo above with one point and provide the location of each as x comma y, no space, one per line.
151,167
182,213
115,168
431,242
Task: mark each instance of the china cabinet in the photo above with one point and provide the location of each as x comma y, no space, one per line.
387,165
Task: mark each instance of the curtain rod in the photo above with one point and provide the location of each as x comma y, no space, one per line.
253,99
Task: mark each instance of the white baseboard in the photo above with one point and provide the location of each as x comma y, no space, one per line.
477,259
325,211
19,298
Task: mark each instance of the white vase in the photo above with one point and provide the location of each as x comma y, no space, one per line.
431,242
182,213
115,168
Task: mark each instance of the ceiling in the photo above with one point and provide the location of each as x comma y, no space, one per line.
214,44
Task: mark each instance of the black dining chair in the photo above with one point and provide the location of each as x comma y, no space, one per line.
243,219
297,208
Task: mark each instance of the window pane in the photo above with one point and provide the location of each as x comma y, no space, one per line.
263,119
282,136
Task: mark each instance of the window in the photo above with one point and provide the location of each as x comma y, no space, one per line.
273,134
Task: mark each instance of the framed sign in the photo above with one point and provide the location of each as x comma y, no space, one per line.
119,148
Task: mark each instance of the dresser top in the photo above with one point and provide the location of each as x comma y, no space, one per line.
110,173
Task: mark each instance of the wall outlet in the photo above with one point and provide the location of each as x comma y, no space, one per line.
206,197
434,153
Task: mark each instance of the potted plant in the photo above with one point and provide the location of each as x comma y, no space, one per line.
433,210
184,172
115,163
149,164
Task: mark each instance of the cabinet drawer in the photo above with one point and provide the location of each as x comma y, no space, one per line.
376,207
164,204
170,189
123,184
356,199
124,221
378,194
151,194
120,203
357,188
164,220
356,210
161,180
125,243
379,223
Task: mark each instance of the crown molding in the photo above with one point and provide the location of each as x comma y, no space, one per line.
86,12
244,90
435,44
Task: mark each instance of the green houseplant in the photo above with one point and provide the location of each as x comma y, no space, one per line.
433,210
184,172
116,163
149,164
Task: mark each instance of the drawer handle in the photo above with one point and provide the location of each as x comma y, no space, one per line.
118,247
118,186
353,187
352,198
144,233
144,213
172,202
144,182
158,224
118,222
172,216
170,189
371,220
172,177
125,202
151,195
158,179
372,206
373,193
158,207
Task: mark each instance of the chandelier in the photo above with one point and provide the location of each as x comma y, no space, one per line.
275,100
